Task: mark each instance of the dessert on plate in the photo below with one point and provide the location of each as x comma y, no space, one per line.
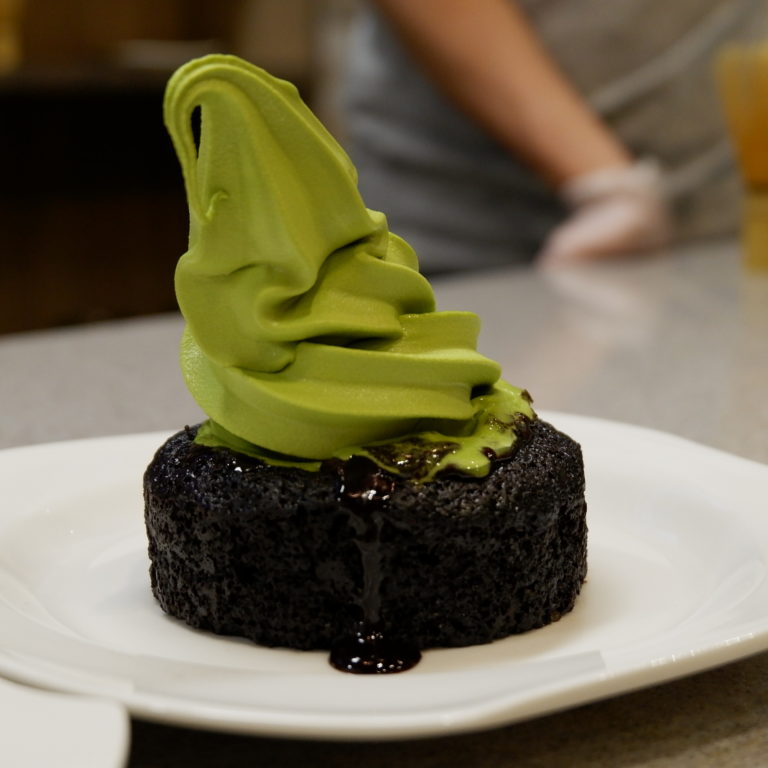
365,482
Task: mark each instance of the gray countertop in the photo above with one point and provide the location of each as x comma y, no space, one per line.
677,343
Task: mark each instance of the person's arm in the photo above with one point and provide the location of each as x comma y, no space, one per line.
486,57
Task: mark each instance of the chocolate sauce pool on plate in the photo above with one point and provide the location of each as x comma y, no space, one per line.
365,491
371,652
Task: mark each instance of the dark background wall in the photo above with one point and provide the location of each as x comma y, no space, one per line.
92,210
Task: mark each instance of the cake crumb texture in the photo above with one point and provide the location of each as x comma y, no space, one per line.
240,547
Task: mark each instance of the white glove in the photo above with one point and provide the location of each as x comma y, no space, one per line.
614,211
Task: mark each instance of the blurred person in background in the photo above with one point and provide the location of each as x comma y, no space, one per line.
558,131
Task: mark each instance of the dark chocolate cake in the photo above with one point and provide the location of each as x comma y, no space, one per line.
292,558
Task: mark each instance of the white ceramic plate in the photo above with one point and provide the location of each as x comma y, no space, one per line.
41,728
677,583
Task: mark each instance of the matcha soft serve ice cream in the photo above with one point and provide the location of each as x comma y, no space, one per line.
310,332
365,483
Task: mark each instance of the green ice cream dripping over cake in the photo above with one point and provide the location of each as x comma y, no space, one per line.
310,333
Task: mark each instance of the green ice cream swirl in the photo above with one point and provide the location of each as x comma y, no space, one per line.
309,328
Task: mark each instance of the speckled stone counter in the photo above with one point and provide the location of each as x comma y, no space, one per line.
677,343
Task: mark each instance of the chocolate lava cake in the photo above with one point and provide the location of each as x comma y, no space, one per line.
287,557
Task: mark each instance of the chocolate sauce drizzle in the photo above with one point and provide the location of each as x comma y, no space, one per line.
365,491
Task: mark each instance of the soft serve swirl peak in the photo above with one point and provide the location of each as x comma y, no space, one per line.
309,328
